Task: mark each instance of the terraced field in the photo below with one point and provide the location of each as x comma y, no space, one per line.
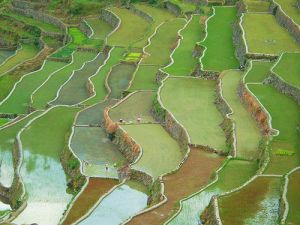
149,112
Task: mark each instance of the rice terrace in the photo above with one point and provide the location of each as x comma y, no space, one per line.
150,112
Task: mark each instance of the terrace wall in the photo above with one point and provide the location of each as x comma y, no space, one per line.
205,74
285,21
85,28
283,86
254,107
127,145
35,14
209,216
141,13
171,125
109,17
28,5
240,45
173,8
227,124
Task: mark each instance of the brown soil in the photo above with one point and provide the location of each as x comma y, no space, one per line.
96,188
194,174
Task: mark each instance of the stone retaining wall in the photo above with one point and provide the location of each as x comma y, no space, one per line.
173,8
283,86
205,74
28,5
238,40
141,13
254,107
85,28
285,21
127,145
209,217
171,125
109,17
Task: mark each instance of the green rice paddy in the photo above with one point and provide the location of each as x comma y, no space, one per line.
292,74
200,116
257,6
219,54
163,42
138,105
184,62
20,99
164,151
76,90
264,35
119,79
100,27
259,71
286,123
144,78
48,91
132,28
99,79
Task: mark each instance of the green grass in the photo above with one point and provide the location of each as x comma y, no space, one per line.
91,145
35,22
75,91
48,91
19,101
292,196
247,132
234,174
99,79
163,42
137,105
257,5
259,200
259,71
184,62
288,68
285,118
144,78
132,28
191,101
119,79
27,52
264,35
166,160
219,54
52,42
184,5
100,27
288,6
4,121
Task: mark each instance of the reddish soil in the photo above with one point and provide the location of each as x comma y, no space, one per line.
194,174
96,188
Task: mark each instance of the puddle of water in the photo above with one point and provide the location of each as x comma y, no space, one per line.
118,206
47,198
6,168
96,152
193,207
